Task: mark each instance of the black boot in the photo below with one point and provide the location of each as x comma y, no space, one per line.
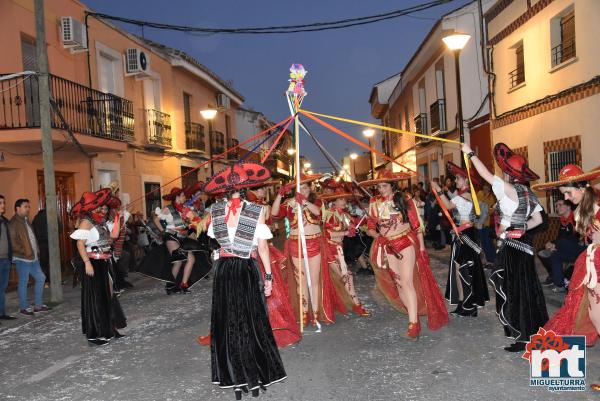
172,288
516,347
238,394
459,309
468,313
255,393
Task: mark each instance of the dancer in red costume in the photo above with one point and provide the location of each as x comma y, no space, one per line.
337,223
323,299
399,258
580,314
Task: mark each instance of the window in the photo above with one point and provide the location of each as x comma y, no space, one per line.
517,76
187,101
218,142
152,100
423,171
406,118
30,86
556,161
562,35
152,197
188,177
110,70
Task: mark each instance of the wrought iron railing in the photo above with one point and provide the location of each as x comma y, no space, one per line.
86,111
234,154
563,52
437,111
421,123
158,128
194,137
217,140
517,76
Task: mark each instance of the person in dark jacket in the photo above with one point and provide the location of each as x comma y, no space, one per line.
5,258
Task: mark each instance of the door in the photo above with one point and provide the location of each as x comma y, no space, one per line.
65,198
30,85
152,191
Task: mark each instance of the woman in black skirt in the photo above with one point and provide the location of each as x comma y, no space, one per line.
244,354
520,302
101,313
466,286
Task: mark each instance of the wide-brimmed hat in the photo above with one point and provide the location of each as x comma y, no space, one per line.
191,190
385,175
90,201
307,178
457,170
331,183
175,192
113,202
337,194
238,176
569,174
513,164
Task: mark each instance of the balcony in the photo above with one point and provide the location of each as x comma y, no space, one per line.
85,111
194,137
158,128
517,76
217,140
437,111
421,123
235,154
563,52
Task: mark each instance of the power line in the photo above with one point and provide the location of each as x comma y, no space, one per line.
312,27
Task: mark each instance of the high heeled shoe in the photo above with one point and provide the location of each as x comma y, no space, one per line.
414,329
361,311
185,288
238,394
204,340
468,313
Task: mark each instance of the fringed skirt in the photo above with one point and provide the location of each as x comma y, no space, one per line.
520,303
243,350
573,319
470,272
101,312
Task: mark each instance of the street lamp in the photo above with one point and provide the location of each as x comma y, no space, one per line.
291,151
353,157
456,41
209,114
369,133
307,165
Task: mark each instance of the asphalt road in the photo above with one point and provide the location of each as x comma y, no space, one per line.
47,358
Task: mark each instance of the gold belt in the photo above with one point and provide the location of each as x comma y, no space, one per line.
307,236
400,235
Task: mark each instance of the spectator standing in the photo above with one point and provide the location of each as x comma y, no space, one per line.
25,251
5,258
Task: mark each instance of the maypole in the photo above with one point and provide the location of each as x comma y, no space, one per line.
295,95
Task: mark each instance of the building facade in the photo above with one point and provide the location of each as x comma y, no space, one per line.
126,111
424,100
547,87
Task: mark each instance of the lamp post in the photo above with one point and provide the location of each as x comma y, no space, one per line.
209,114
368,133
353,157
456,41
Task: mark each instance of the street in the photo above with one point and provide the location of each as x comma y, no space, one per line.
47,357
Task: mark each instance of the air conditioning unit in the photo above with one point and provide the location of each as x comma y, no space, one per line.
73,34
136,62
223,101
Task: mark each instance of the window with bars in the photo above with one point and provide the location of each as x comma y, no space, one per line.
563,37
517,76
556,161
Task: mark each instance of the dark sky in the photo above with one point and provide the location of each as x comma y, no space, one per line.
342,64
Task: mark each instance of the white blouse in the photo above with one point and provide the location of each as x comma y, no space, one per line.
90,236
507,205
262,232
463,207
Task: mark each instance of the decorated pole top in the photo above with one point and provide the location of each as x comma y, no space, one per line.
297,73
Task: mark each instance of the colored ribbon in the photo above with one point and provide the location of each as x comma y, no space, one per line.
473,193
446,213
384,128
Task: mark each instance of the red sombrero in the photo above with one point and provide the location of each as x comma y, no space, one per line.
238,176
456,170
331,183
90,201
337,194
385,175
568,174
306,178
513,164
191,190
113,202
175,191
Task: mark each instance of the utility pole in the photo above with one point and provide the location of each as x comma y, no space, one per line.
48,154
